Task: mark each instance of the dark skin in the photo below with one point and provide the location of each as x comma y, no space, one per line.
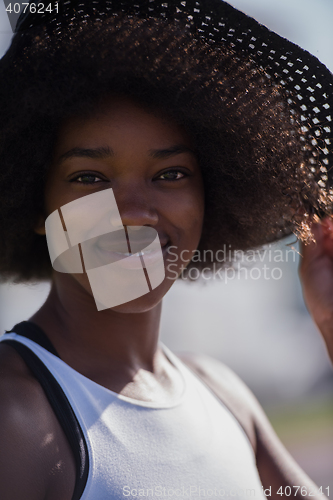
151,189
118,348
316,273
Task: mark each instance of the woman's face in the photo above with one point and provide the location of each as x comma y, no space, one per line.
149,163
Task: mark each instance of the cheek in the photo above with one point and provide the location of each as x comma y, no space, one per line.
186,214
58,192
192,215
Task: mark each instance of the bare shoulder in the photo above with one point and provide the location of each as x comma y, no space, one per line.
276,466
222,374
31,439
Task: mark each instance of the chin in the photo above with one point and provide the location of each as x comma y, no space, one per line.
85,296
145,302
76,288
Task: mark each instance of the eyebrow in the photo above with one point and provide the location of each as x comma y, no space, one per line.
103,153
160,154
96,153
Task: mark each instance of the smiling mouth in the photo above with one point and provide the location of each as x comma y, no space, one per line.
143,253
112,248
150,259
128,254
118,245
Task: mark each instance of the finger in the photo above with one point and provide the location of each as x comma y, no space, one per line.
327,225
322,247
313,249
328,236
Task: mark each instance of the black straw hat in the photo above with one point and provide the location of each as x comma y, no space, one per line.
306,82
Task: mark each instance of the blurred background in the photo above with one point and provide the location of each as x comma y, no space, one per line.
256,323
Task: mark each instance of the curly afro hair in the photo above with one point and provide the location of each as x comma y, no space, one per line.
249,145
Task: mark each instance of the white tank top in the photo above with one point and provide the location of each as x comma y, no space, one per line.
193,448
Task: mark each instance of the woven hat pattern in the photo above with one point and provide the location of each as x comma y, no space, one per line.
307,83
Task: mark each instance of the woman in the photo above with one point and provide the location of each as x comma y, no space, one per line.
204,143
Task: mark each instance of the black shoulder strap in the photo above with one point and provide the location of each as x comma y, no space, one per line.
57,398
33,332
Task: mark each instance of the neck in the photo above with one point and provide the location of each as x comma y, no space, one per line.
88,339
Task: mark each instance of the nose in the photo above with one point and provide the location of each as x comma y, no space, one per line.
136,206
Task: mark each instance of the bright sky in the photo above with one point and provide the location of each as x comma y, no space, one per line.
305,22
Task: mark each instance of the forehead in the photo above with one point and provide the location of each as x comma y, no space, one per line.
121,122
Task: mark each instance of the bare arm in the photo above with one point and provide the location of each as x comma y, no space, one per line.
31,457
275,465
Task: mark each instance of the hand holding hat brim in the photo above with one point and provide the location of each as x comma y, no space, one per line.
316,273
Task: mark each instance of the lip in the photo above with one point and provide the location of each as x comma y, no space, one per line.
105,253
134,261
113,247
116,242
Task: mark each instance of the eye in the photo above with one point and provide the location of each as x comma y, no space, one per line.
87,178
172,175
